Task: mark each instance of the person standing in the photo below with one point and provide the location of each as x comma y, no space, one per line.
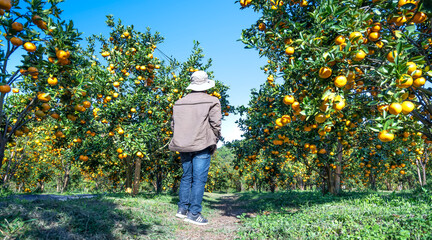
196,125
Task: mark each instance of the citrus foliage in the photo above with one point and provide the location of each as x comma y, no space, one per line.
337,72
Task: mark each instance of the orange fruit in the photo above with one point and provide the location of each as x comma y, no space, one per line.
420,17
338,103
279,122
405,81
391,56
16,41
52,81
288,99
5,4
355,35
379,44
385,136
417,73
119,150
340,81
261,26
44,97
320,118
376,27
395,108
140,154
5,88
17,26
339,40
29,47
418,82
411,67
325,72
61,54
374,36
360,55
87,104
407,107
289,51
116,84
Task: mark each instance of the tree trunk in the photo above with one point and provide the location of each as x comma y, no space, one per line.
137,179
66,178
372,181
127,164
159,181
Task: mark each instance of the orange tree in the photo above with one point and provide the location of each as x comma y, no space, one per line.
123,136
48,64
341,72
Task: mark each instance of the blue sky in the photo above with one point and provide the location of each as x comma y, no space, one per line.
216,24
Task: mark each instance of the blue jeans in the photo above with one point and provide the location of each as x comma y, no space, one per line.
195,171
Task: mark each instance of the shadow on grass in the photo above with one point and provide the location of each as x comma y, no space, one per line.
95,218
253,203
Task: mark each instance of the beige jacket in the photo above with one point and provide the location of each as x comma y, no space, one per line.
196,123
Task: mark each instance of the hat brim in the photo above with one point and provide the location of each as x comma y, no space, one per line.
201,87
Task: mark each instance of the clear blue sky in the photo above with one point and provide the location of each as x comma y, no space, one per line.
216,24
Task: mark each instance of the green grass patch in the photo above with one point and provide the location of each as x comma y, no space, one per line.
114,216
309,215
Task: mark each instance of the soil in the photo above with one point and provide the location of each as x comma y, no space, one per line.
223,220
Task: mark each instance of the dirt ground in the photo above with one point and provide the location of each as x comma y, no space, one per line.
223,220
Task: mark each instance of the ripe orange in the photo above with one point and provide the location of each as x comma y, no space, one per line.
52,81
61,54
374,36
119,150
340,81
262,26
391,56
29,47
339,40
5,4
325,72
360,55
279,122
418,82
355,35
411,67
289,51
338,103
407,107
395,108
385,136
376,27
116,84
5,88
320,118
87,104
17,26
16,41
288,99
420,17
44,97
379,44
417,73
140,154
405,81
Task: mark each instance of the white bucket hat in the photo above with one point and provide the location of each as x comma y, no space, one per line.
200,81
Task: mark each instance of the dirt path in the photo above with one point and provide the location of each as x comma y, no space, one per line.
223,219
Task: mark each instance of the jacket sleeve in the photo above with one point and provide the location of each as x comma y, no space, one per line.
215,119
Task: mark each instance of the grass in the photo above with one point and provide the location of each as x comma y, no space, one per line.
308,215
110,216
281,215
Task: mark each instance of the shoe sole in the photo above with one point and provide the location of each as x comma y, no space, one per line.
179,215
193,222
